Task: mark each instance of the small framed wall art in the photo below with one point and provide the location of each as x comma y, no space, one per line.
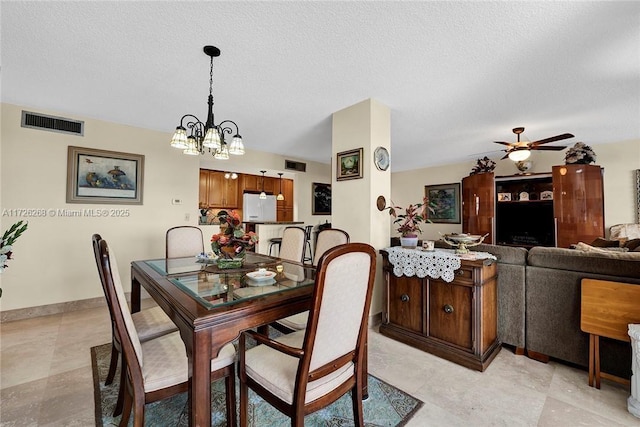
104,177
321,203
349,165
444,203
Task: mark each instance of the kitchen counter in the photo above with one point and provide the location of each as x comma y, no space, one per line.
275,222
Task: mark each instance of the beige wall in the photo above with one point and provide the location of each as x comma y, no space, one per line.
620,161
53,261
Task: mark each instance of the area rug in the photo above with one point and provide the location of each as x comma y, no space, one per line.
386,405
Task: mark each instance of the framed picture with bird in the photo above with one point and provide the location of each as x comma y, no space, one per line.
100,176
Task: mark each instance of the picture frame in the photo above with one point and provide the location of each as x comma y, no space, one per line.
321,199
444,201
349,165
104,177
504,197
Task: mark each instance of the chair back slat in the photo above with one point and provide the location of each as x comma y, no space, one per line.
292,246
327,239
184,241
110,277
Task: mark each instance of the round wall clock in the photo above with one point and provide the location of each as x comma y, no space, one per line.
381,158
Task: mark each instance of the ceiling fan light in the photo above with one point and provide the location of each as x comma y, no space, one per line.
236,147
519,155
179,139
212,139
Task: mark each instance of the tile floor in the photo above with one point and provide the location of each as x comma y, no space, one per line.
45,380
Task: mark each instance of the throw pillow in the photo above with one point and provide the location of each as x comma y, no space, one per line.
632,245
604,243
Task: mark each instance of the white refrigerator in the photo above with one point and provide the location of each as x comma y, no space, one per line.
255,209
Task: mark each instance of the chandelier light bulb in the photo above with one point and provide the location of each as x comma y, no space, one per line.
212,139
179,139
192,149
236,147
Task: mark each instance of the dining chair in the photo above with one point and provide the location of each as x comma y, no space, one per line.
326,239
307,244
157,368
292,245
305,371
184,241
150,323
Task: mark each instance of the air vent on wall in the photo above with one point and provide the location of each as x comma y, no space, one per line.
296,166
52,123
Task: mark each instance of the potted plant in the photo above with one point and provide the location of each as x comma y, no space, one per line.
409,219
6,243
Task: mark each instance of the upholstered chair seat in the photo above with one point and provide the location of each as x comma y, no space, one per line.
276,371
165,363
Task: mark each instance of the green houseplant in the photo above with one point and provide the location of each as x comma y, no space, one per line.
409,219
6,243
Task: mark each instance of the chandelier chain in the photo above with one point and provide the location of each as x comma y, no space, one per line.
211,78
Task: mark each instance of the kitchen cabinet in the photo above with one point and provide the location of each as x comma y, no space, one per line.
254,183
578,203
216,191
285,207
454,320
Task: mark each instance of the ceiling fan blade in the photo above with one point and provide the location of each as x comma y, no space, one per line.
505,156
550,147
551,139
503,143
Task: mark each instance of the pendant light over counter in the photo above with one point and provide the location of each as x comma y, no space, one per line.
280,195
263,195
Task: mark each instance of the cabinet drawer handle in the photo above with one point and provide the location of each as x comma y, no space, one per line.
404,298
459,273
448,308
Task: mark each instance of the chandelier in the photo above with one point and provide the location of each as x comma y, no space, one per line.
208,135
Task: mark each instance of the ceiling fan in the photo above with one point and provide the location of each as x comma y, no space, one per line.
521,150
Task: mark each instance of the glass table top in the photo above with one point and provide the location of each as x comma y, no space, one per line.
213,287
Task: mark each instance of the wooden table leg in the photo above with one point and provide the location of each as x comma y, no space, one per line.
596,353
200,380
591,357
135,295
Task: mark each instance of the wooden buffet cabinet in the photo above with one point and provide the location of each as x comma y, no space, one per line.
456,321
574,212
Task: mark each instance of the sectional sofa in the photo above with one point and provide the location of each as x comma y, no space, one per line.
539,301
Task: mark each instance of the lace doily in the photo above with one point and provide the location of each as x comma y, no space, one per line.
436,264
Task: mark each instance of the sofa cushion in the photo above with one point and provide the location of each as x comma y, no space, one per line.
505,254
588,248
620,264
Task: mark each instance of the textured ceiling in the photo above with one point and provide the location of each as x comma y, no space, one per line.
456,75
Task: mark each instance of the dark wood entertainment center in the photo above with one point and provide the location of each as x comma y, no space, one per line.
559,209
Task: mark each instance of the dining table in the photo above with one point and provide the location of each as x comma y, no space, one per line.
212,306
